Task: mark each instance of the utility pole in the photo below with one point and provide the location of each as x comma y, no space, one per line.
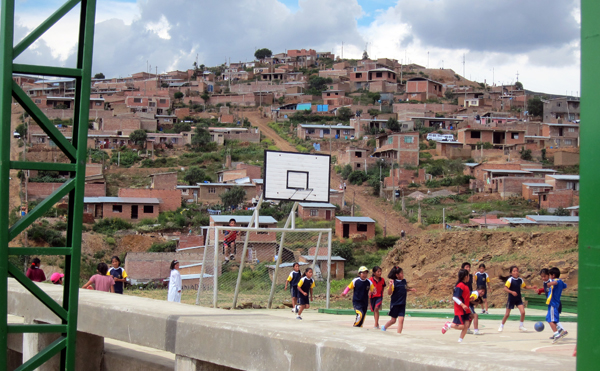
353,196
444,218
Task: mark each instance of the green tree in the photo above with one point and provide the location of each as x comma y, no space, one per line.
393,125
99,75
448,94
200,138
344,113
560,211
519,85
374,112
178,95
535,106
138,137
263,53
22,130
365,55
317,84
373,97
233,197
346,170
195,175
205,96
182,126
526,154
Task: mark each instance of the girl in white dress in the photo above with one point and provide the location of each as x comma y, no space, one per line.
175,283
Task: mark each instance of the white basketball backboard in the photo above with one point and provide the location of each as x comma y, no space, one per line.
296,176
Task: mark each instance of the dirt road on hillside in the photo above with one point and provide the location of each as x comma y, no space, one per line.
262,122
375,208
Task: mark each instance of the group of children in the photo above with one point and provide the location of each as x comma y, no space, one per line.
368,292
465,299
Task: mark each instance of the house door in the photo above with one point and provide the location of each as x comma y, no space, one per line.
346,232
134,211
327,214
321,133
98,213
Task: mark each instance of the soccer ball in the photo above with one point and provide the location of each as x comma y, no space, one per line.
539,327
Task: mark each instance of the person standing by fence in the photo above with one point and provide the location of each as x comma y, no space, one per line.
175,284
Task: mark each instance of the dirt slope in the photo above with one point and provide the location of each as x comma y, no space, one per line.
431,261
262,122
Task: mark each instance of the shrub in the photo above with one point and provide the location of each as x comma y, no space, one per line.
346,170
357,177
110,240
413,185
169,246
386,242
42,233
111,225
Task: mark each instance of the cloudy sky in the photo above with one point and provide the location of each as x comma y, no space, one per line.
538,39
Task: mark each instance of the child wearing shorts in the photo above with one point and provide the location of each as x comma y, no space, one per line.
398,290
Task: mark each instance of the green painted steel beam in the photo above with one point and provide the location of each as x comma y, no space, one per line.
51,166
45,124
42,28
39,251
7,16
46,70
36,291
37,328
45,355
42,207
588,347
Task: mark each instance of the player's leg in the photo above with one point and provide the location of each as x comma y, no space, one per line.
463,333
506,314
389,323
359,317
522,320
300,310
400,324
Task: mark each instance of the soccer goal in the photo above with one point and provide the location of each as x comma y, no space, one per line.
248,266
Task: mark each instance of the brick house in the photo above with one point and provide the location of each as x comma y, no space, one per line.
337,263
452,150
561,135
367,126
241,171
421,89
309,210
127,208
446,123
564,158
163,180
498,137
157,104
563,181
308,132
355,227
400,178
209,193
169,199
357,158
401,148
531,191
566,109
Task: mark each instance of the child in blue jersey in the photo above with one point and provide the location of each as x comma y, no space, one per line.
305,285
462,313
118,274
293,280
556,287
513,287
398,290
483,279
362,289
476,298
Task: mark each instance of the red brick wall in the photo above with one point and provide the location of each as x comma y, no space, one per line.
124,125
404,177
561,198
148,266
107,212
513,186
37,191
170,200
304,213
354,234
190,241
165,181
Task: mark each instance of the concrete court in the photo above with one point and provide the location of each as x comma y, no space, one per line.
253,339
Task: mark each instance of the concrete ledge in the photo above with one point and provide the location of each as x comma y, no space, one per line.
254,341
120,358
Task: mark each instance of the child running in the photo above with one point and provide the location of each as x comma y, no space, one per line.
483,279
305,285
513,287
556,287
475,299
377,295
293,280
462,313
360,300
398,289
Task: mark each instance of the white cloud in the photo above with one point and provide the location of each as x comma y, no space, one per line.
160,28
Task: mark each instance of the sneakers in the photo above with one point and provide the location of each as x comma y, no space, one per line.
477,332
486,312
231,257
555,338
376,327
298,317
522,329
383,328
446,327
296,309
470,332
460,340
563,333
500,328
483,311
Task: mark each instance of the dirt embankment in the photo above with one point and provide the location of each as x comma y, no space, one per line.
431,260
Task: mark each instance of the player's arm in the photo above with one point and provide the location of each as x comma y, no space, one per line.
456,297
350,287
409,289
372,289
552,283
300,283
289,279
507,288
487,280
391,287
311,291
523,285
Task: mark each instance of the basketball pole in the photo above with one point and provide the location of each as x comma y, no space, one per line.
254,218
291,218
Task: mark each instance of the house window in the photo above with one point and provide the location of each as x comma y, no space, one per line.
98,103
185,191
38,101
148,209
476,134
151,104
357,166
346,132
326,131
117,208
358,154
571,130
568,142
137,100
361,227
409,139
514,135
212,190
359,75
378,74
314,212
310,131
544,198
390,140
162,101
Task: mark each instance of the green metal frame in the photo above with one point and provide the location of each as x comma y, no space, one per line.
75,151
588,347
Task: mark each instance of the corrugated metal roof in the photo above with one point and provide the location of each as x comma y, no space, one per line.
323,257
285,265
471,164
519,221
537,185
507,171
565,177
355,219
310,126
554,218
573,208
242,219
121,200
317,205
533,170
226,184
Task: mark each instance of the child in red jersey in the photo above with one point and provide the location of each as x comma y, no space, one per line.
229,242
462,313
376,297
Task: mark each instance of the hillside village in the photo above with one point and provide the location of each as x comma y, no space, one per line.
413,150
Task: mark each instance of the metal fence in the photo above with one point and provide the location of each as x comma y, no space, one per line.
253,273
